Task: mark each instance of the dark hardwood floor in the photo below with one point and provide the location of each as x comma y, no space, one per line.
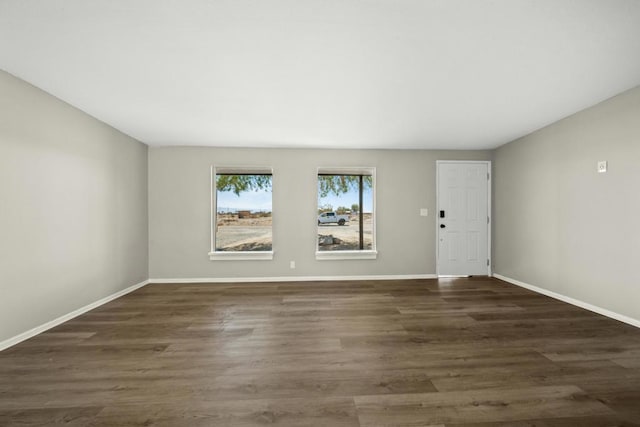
472,352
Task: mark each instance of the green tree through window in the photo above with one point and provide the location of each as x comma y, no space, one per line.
243,217
345,229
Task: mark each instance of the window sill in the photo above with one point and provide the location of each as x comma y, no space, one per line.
345,255
241,256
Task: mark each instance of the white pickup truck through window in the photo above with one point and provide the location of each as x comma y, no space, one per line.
346,214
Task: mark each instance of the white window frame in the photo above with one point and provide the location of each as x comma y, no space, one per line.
351,254
236,255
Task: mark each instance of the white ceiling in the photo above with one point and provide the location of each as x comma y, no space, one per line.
460,74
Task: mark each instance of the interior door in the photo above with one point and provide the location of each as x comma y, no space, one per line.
463,218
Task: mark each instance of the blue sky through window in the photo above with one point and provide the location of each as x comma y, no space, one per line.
253,201
228,201
348,199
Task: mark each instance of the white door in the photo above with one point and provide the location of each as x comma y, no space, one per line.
462,218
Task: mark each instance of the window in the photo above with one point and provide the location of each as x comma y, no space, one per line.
242,214
346,213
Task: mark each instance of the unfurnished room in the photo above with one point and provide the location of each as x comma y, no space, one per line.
325,213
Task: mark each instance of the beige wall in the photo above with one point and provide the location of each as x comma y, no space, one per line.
179,211
560,225
73,208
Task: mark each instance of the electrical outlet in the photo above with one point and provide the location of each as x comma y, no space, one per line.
424,212
602,166
292,264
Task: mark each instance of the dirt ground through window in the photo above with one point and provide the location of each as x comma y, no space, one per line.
255,233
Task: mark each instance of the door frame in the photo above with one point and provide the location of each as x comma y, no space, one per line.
489,210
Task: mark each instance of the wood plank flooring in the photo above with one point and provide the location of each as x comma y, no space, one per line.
473,352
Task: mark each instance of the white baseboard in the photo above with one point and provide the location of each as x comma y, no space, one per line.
291,278
55,322
620,317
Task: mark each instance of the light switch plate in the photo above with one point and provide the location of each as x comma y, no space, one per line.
602,166
424,212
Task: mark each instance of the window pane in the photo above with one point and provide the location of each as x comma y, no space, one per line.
339,213
243,206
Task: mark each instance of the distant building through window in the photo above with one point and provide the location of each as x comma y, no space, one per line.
242,213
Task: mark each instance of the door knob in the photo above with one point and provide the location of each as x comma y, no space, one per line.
442,226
